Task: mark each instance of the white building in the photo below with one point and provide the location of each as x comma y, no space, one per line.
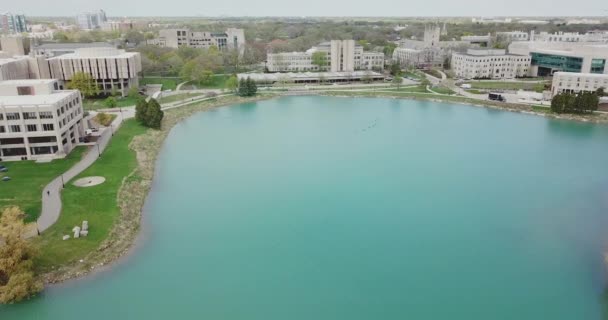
592,36
312,77
489,64
14,68
37,120
113,69
513,36
174,38
339,55
577,82
418,58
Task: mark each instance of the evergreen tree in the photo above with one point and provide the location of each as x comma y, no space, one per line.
242,88
154,115
252,88
141,109
557,103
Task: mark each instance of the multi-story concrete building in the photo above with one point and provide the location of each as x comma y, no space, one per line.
12,45
418,58
592,36
174,38
490,64
551,57
37,120
577,82
339,55
91,20
12,23
113,69
512,36
14,68
57,49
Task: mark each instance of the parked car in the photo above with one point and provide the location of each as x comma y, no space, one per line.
6,178
4,169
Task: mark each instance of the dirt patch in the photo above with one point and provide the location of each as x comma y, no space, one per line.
89,181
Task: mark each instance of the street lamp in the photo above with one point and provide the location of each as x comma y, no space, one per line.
62,182
98,151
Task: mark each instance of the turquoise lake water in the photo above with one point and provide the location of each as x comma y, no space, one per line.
336,208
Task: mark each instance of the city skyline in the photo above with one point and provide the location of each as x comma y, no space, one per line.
382,8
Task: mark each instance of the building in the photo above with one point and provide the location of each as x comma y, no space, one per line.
174,38
37,120
490,64
312,77
592,36
113,69
12,45
12,23
510,36
419,58
577,82
91,20
551,57
57,49
14,68
339,55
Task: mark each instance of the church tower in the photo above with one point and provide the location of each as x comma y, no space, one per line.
444,31
431,35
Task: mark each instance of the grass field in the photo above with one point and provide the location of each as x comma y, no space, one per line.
179,96
168,83
414,75
500,85
95,204
442,90
218,82
95,104
28,180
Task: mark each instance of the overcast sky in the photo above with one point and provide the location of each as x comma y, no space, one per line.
311,7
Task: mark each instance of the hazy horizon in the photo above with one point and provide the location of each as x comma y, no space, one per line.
315,8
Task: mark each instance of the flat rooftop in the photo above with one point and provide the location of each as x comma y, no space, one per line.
78,45
36,100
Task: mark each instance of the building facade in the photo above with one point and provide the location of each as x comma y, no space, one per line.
512,36
12,23
551,57
91,20
37,120
490,64
592,36
174,38
419,58
577,82
114,70
338,56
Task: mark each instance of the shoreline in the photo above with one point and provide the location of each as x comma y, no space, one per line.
126,235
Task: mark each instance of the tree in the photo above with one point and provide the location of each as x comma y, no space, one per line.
154,115
600,92
424,83
397,81
242,88
232,83
395,69
17,278
133,93
557,103
367,77
84,83
319,59
247,87
111,102
141,110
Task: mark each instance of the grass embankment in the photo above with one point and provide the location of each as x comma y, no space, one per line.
29,179
121,102
504,85
179,96
217,82
97,204
104,119
168,83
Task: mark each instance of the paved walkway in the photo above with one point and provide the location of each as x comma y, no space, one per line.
51,198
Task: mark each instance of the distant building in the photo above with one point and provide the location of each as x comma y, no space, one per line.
592,36
489,64
14,68
312,77
550,57
37,120
340,55
174,38
12,45
513,36
57,49
91,20
578,82
12,23
419,58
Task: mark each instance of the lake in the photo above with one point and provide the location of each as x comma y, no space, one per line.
355,208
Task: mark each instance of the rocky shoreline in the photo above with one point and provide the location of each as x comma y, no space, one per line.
133,192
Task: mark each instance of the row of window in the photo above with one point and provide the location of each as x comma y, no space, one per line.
16,128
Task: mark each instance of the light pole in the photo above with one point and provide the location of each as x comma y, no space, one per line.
98,150
62,182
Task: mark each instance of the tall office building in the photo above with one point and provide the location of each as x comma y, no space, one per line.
91,20
12,23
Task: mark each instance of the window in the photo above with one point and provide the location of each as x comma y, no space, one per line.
13,116
31,128
15,128
2,129
46,115
25,91
48,127
1,116
29,115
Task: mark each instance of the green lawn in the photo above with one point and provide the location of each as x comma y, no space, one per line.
28,180
94,104
443,90
503,85
414,75
179,96
217,82
168,83
96,204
